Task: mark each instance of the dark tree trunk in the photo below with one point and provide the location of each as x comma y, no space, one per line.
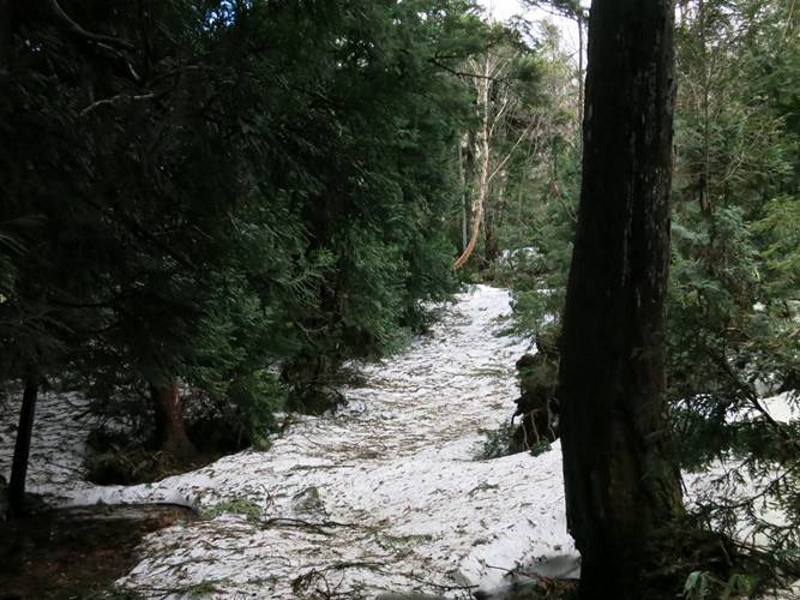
464,197
22,448
170,426
6,34
579,18
619,484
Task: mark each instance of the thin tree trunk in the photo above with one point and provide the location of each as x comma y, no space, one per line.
619,486
490,238
580,67
22,447
464,197
170,425
484,177
705,184
478,207
490,250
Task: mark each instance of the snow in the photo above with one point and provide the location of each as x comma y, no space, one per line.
713,485
524,254
384,495
390,486
781,408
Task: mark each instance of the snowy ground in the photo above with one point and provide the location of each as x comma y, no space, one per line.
386,495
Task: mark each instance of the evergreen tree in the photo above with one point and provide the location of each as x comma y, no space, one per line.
221,189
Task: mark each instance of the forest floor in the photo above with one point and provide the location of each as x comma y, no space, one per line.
387,494
77,552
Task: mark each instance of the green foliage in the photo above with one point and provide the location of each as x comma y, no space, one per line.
733,303
540,447
545,183
498,443
733,284
539,280
731,316
781,247
729,343
702,585
126,465
237,506
502,442
229,191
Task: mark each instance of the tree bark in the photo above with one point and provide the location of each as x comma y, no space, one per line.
464,197
494,107
170,426
491,240
620,486
484,151
6,34
22,447
579,19
491,245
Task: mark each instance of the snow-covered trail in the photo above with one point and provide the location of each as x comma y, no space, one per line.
385,495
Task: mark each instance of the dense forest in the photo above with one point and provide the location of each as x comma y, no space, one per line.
216,214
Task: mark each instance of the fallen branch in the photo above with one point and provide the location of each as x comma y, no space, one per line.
309,525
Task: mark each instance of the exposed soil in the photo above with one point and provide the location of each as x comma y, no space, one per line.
76,552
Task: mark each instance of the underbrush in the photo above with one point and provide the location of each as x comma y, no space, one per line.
498,443
240,506
689,561
114,459
504,441
123,450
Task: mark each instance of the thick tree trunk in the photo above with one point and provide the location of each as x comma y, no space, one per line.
22,448
619,485
170,426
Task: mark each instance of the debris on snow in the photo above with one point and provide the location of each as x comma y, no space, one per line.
381,496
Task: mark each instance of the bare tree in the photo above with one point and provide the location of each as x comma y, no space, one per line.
497,104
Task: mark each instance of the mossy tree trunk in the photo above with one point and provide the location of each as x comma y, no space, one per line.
620,487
